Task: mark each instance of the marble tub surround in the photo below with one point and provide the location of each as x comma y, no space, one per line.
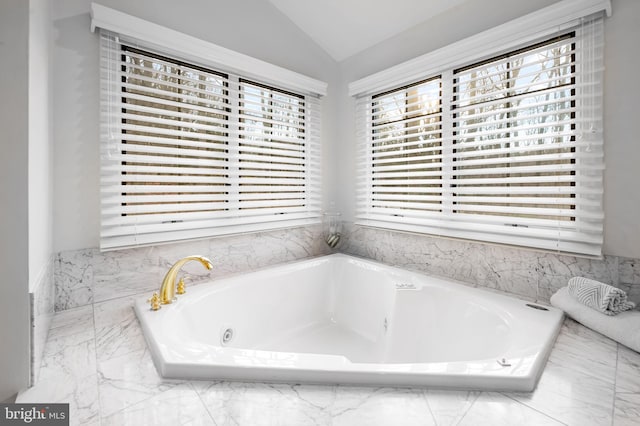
86,276
97,360
42,300
68,370
629,277
83,277
529,274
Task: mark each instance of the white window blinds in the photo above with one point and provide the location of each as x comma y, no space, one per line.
406,150
505,150
191,152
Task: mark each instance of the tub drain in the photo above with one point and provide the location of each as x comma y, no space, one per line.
227,336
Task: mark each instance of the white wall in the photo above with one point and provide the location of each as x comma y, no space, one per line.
622,90
252,27
14,303
40,140
622,148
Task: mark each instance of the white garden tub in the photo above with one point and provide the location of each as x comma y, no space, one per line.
341,319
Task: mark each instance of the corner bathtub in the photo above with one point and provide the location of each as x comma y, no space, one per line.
341,319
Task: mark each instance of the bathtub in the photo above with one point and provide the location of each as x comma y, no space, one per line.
341,319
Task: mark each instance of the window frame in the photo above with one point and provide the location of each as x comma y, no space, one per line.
446,224
245,215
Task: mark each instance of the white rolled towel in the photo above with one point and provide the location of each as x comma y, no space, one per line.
600,296
623,328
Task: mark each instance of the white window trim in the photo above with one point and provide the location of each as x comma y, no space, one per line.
148,36
509,36
550,21
189,48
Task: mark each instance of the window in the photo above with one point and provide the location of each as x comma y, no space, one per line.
271,150
514,135
507,149
406,148
190,152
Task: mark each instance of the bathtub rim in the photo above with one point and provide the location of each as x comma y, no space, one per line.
172,365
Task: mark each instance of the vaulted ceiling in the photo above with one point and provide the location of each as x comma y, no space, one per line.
345,27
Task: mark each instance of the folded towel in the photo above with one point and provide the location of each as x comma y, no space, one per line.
623,328
602,297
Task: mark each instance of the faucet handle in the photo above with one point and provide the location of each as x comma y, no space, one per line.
180,289
154,301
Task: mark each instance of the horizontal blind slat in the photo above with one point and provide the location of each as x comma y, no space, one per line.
186,152
509,155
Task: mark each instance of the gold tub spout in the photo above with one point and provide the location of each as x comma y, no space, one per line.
168,287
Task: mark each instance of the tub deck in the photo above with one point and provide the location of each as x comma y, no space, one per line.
341,319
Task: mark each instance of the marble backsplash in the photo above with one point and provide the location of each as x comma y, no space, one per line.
534,275
88,276
83,277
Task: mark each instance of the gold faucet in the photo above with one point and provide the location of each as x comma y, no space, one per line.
168,287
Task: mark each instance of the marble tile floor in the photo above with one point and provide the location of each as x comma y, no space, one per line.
96,359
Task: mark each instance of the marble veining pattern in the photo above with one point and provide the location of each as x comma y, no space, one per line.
111,380
68,371
628,371
96,357
578,383
529,274
88,276
627,409
74,278
180,405
629,271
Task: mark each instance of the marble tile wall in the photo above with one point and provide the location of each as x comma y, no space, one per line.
84,277
42,301
87,276
534,275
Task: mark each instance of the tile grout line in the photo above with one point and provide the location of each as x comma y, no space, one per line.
95,343
533,408
425,393
172,382
615,386
470,406
206,407
98,374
